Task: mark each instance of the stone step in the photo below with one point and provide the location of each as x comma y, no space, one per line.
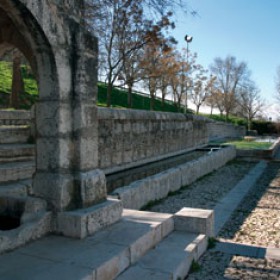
138,239
16,152
14,171
14,134
19,188
102,256
170,260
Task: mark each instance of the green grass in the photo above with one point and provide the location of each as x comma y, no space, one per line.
140,102
248,145
119,97
30,84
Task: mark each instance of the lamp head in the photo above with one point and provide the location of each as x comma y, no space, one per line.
188,38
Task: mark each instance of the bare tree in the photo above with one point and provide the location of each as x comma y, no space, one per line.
201,88
210,99
250,103
277,84
123,30
230,74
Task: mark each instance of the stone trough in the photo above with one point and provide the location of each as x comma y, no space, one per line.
139,193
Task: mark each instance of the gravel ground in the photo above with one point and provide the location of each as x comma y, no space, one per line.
218,266
255,222
257,219
205,192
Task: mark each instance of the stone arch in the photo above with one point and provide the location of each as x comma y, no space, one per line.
30,39
52,35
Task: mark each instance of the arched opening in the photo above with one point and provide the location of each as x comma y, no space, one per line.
20,30
63,56
18,85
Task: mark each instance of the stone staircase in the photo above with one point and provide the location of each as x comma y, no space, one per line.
17,156
142,245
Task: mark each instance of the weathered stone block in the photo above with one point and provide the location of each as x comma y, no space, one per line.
174,179
56,189
195,220
54,153
87,221
92,186
54,119
86,153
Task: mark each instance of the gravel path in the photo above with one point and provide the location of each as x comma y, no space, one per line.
255,222
257,219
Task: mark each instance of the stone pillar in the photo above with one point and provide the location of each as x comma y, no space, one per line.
67,130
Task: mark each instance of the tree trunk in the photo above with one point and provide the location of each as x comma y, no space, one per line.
109,90
197,109
129,96
17,82
152,102
163,99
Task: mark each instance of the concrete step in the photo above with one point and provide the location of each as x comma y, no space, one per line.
14,171
16,152
19,188
170,260
14,134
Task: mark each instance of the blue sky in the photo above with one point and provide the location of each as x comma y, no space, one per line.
246,29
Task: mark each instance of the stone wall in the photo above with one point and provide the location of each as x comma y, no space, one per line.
131,137
220,130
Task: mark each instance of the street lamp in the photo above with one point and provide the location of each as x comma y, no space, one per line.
188,39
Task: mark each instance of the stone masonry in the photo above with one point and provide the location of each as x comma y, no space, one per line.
128,138
63,55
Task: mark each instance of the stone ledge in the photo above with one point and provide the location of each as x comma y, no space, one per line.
87,221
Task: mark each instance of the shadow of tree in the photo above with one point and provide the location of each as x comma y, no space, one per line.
264,196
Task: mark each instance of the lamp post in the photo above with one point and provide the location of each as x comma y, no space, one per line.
188,39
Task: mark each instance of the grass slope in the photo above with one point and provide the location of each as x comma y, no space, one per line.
119,96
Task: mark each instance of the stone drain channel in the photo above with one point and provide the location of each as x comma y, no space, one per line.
136,193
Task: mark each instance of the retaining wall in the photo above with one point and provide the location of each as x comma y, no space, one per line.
255,153
128,138
139,193
220,130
